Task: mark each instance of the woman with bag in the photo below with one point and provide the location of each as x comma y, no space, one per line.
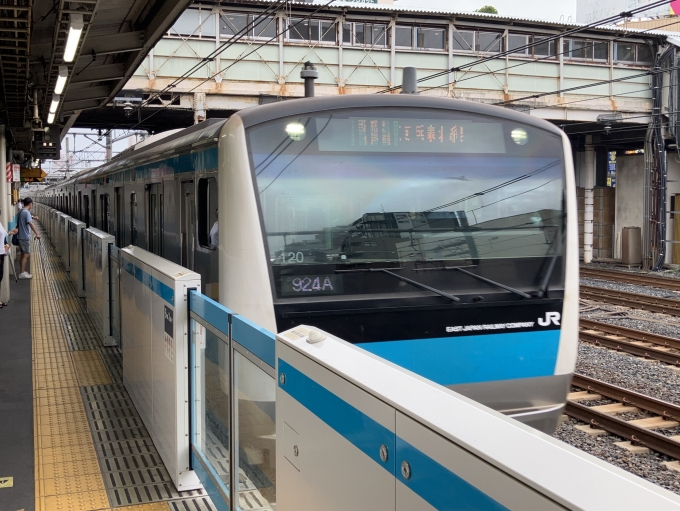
4,250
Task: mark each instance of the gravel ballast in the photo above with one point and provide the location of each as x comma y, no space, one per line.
647,377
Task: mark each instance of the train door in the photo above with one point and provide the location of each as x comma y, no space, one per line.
188,229
133,218
154,217
105,213
80,206
118,227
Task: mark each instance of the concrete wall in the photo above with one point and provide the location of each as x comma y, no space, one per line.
629,195
673,188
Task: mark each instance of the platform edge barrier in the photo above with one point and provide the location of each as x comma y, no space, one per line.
96,267
75,241
244,352
401,442
63,248
155,342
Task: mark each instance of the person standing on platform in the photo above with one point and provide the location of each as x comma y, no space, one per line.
4,250
25,225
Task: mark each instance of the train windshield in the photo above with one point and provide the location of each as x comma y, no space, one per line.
406,186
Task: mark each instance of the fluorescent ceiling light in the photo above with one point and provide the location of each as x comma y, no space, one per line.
74,32
55,103
61,80
50,119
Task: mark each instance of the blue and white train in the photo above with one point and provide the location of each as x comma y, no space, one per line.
438,234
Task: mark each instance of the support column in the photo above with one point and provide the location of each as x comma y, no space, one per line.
109,147
589,202
5,214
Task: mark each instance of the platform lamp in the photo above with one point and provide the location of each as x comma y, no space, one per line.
75,30
53,108
61,80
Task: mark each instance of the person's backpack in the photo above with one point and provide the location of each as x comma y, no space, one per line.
15,237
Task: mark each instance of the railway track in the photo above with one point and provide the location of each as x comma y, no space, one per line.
633,300
642,344
631,278
639,431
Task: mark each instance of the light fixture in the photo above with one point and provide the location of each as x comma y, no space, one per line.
519,136
296,131
74,32
50,119
61,80
55,103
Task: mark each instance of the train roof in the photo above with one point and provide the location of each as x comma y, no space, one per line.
207,132
273,111
196,136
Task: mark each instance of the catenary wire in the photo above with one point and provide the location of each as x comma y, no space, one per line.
547,57
625,14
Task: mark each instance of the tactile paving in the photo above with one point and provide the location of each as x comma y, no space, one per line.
90,368
113,360
80,332
197,504
92,450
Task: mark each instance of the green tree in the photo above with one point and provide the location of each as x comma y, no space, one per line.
489,9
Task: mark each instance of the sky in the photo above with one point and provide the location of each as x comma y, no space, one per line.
550,10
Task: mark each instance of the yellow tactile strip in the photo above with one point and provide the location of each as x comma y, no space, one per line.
67,473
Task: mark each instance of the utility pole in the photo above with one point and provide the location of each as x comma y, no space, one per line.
109,147
68,156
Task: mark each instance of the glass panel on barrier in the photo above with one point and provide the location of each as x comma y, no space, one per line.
256,433
211,403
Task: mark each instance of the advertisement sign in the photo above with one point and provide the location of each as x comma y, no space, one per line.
16,172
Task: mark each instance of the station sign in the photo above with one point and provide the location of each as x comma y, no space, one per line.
32,175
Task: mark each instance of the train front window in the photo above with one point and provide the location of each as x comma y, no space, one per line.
396,186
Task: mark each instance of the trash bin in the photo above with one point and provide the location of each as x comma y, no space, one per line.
631,246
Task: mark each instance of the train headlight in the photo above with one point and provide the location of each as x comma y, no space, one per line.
296,131
519,136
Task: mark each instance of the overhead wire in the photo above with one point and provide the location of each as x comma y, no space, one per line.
605,21
547,57
238,35
236,61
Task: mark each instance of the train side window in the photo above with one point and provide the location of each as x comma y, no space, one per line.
207,212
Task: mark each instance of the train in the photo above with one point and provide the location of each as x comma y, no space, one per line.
438,234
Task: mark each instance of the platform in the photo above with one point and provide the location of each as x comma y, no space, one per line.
91,449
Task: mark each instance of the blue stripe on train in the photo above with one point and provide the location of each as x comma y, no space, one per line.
474,358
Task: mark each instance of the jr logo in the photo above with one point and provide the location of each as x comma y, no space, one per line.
550,317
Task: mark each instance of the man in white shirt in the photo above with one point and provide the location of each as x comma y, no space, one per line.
214,235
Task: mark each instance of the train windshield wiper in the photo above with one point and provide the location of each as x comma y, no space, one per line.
479,277
389,271
543,288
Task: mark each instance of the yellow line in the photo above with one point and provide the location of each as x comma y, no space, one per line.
67,473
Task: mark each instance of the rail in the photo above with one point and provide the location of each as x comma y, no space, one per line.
632,300
642,344
637,430
631,278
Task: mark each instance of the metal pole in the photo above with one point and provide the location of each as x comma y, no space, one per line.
409,83
589,201
309,74
5,215
67,154
109,147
